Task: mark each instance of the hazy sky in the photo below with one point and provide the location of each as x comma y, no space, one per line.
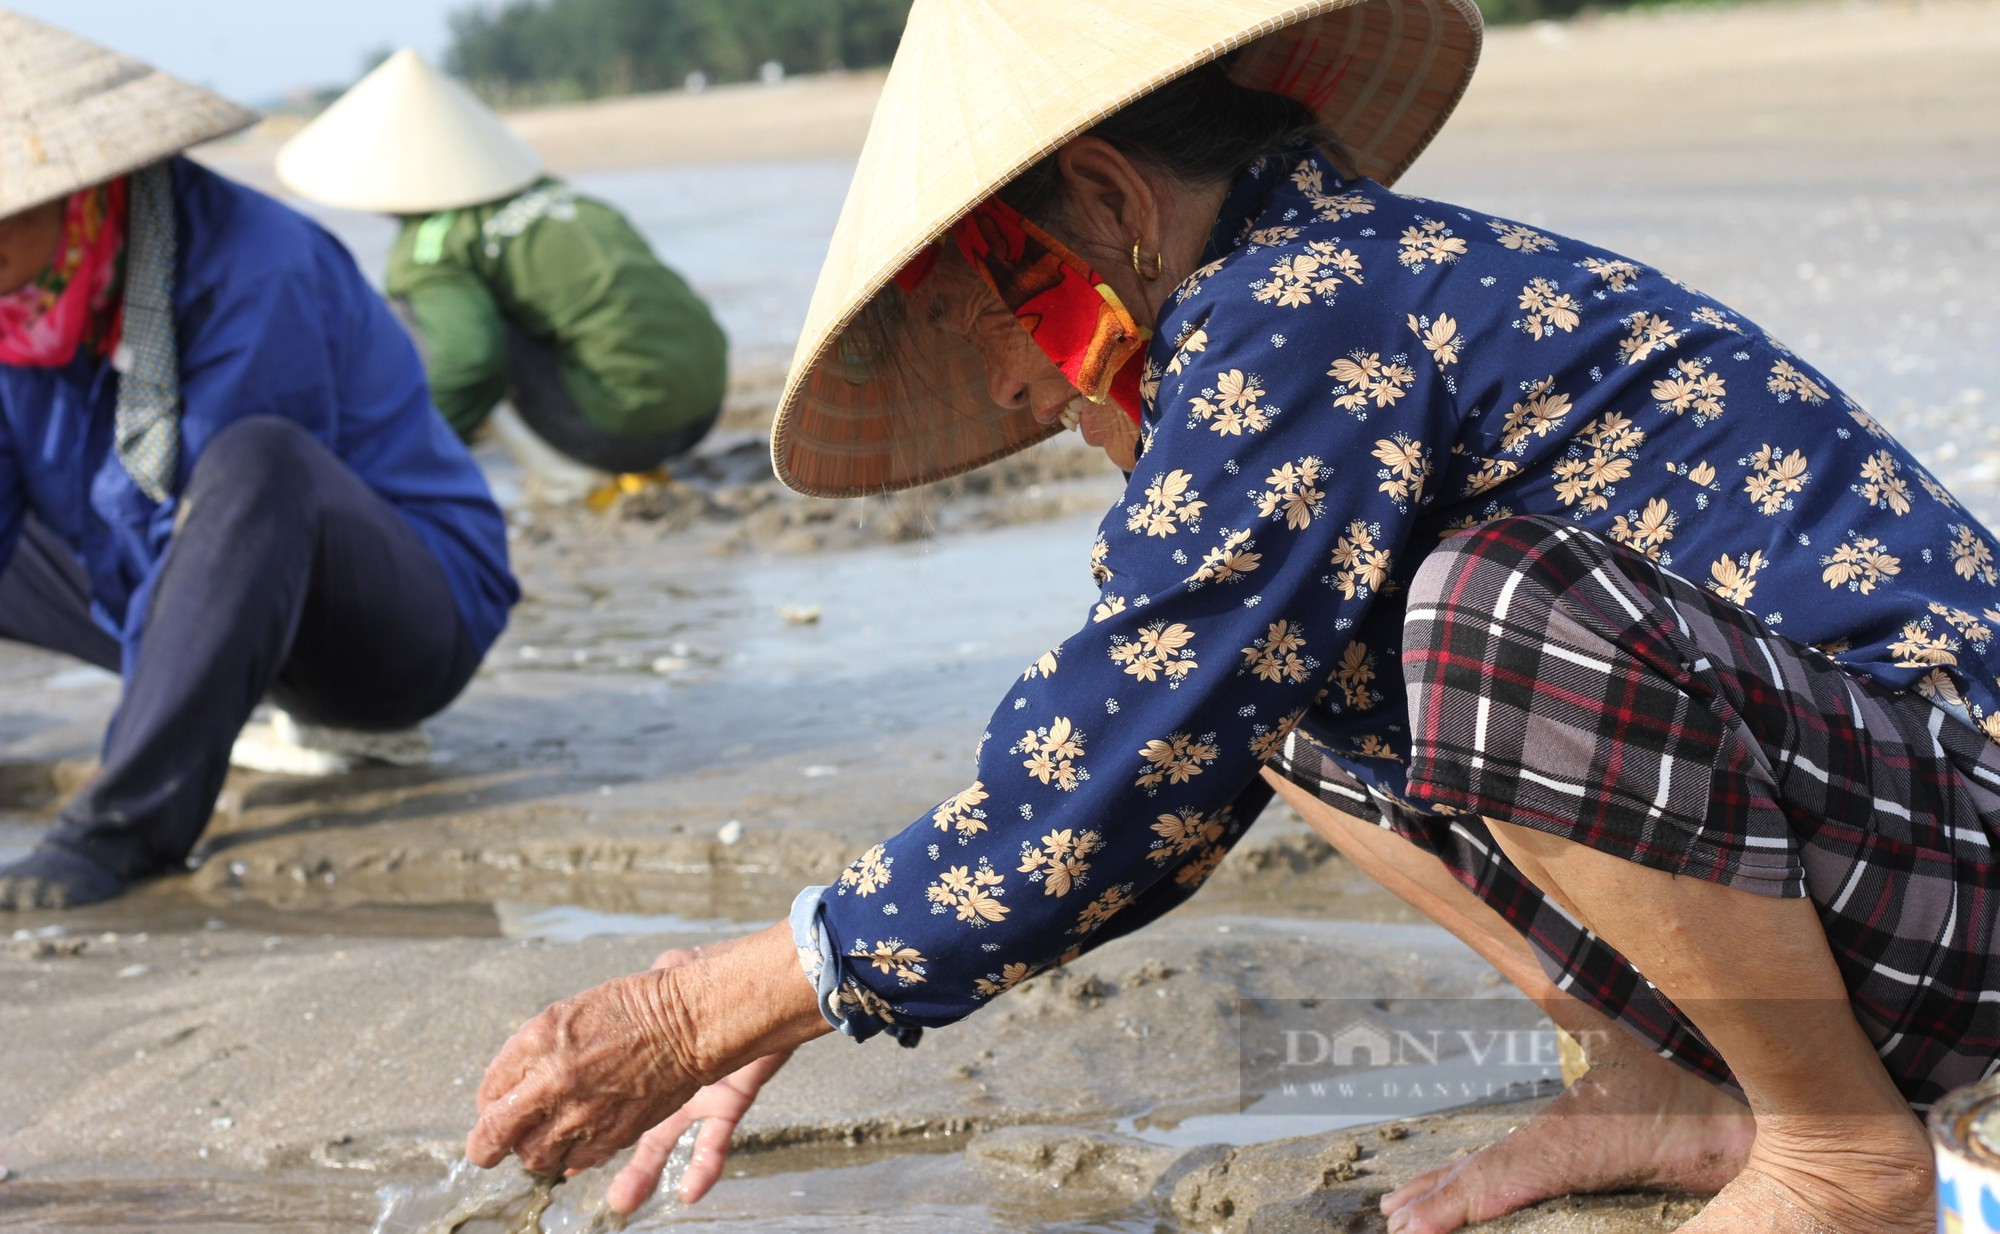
253,50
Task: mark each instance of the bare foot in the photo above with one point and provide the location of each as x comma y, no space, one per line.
1867,1177
1636,1121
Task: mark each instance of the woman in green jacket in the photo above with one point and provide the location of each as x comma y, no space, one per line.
515,285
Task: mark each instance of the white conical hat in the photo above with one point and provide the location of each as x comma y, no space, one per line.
73,114
407,139
981,90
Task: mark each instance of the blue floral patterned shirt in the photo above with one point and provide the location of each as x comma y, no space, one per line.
1352,376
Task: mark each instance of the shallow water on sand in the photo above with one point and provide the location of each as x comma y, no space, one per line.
474,1201
875,1195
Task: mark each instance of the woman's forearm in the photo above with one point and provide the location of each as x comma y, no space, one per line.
742,1000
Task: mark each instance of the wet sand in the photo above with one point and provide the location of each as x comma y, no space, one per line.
300,1019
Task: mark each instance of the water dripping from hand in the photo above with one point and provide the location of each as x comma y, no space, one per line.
508,1200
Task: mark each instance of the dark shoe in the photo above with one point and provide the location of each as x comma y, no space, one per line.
53,877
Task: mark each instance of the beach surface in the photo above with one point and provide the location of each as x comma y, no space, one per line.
716,692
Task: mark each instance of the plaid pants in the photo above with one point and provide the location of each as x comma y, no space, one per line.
1572,686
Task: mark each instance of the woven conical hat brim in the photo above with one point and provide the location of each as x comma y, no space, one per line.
74,114
407,139
980,90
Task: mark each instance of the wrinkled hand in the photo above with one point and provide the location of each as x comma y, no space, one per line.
698,1035
584,1078
719,1107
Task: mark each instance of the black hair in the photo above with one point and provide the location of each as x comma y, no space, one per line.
1202,128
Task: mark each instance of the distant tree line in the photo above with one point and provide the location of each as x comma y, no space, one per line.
535,50
526,51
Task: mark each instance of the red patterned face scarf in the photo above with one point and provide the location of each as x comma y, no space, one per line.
1073,316
76,301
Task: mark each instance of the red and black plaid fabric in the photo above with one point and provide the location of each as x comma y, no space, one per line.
1569,685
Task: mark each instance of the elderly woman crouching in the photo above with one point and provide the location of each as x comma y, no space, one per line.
1405,484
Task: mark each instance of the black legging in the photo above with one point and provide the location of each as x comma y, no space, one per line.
45,600
287,576
535,388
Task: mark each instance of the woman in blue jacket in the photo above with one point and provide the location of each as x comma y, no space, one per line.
220,472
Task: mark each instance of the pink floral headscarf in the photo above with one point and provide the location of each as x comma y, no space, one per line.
76,301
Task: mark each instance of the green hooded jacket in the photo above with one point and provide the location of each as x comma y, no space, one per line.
639,350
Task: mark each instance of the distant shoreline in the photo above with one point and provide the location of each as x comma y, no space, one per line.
824,116
1753,86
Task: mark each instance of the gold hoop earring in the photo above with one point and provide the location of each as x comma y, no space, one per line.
1159,264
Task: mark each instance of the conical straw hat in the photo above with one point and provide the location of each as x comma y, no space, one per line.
407,139
73,114
981,90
